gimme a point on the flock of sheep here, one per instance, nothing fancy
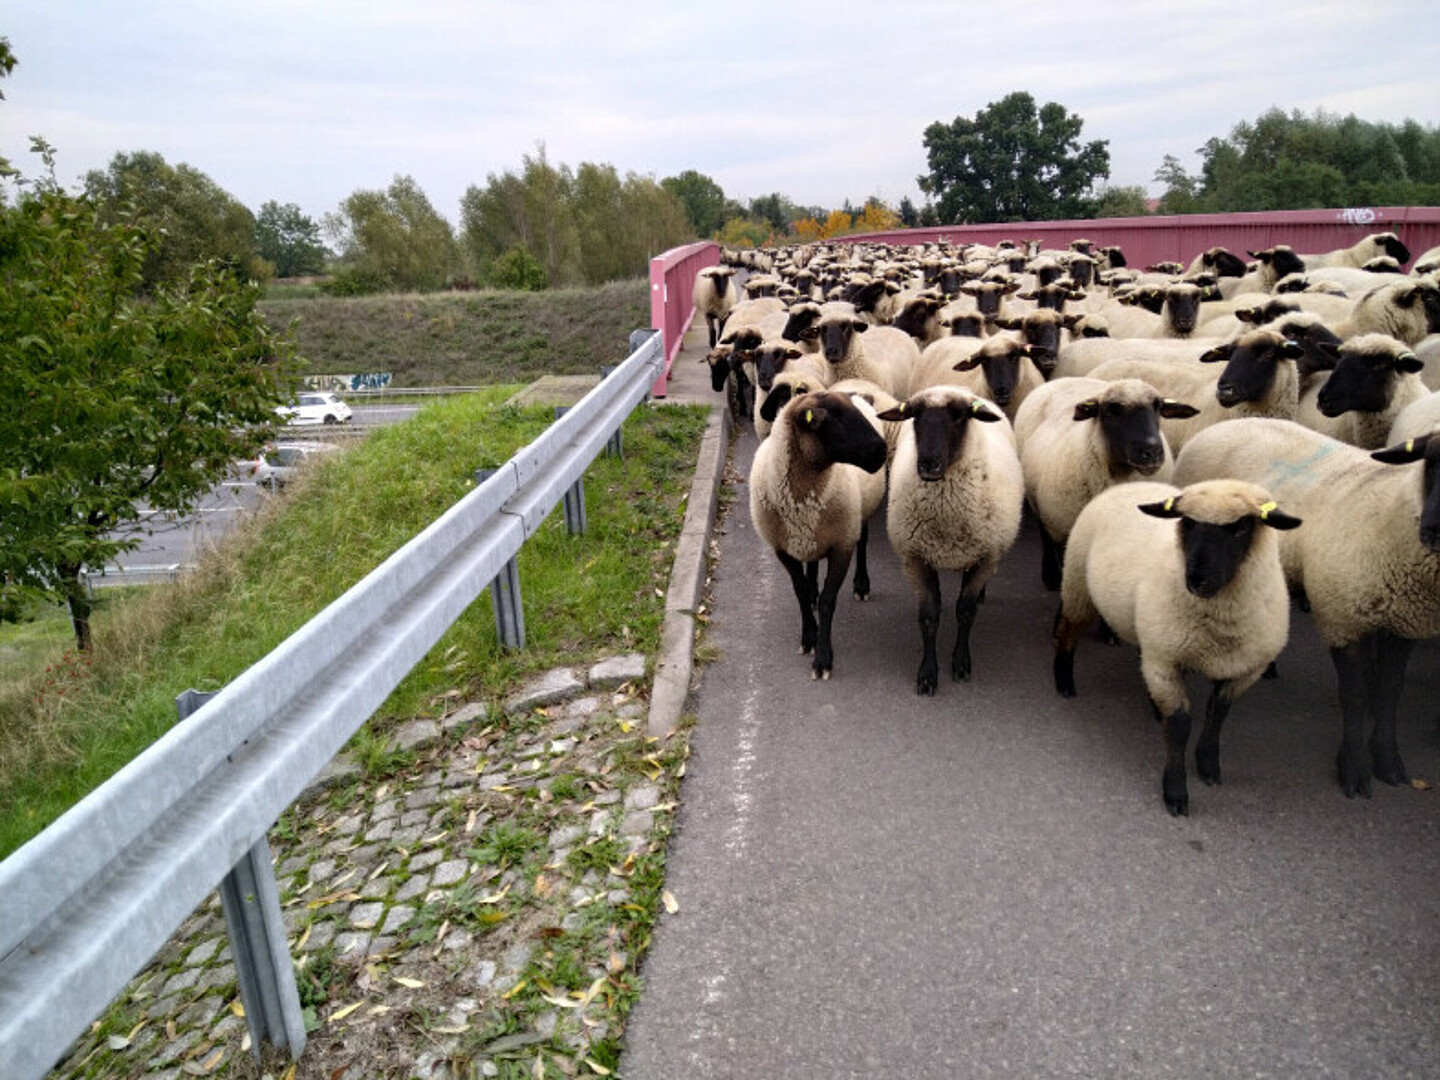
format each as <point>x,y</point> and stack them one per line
<point>1197,444</point>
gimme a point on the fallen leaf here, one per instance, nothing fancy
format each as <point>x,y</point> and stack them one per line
<point>1420,785</point>
<point>213,1060</point>
<point>117,1042</point>
<point>539,1070</point>
<point>237,1007</point>
<point>340,1014</point>
<point>598,1069</point>
<point>378,871</point>
<point>514,990</point>
<point>333,898</point>
<point>560,1002</point>
<point>470,822</point>
<point>170,1030</point>
<point>451,1030</point>
<point>378,1010</point>
<point>304,938</point>
<point>413,984</point>
<point>671,904</point>
<point>615,963</point>
<point>595,988</point>
<point>290,1072</point>
<point>543,886</point>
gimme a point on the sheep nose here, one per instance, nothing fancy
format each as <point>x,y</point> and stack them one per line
<point>930,471</point>
<point>1430,537</point>
<point>1147,457</point>
<point>1201,585</point>
<point>1227,394</point>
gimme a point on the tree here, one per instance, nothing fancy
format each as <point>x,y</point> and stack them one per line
<point>1181,188</point>
<point>1012,163</point>
<point>702,198</point>
<point>7,65</point>
<point>392,239</point>
<point>117,397</point>
<point>909,216</point>
<point>288,240</point>
<point>1124,201</point>
<point>191,218</point>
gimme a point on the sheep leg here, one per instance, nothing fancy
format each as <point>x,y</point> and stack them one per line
<point>862,569</point>
<point>836,567</point>
<point>1066,635</point>
<point>1207,749</point>
<point>1173,788</point>
<point>929,674</point>
<point>1354,667</point>
<point>812,578</point>
<point>1052,557</point>
<point>804,593</point>
<point>1393,654</point>
<point>972,591</point>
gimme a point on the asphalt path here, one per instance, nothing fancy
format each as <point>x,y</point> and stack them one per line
<point>986,883</point>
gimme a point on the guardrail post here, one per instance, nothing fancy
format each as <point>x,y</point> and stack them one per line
<point>574,499</point>
<point>615,445</point>
<point>505,594</point>
<point>263,968</point>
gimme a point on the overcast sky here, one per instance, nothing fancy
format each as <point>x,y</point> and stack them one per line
<point>306,101</point>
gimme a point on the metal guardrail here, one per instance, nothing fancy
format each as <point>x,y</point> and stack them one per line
<point>86,904</point>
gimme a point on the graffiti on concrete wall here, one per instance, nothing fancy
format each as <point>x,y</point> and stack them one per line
<point>375,380</point>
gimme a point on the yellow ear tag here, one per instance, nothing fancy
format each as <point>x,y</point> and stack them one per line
<point>1409,446</point>
<point>1169,504</point>
<point>809,417</point>
<point>1265,509</point>
<point>977,407</point>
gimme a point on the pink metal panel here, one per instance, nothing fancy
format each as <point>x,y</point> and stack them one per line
<point>1180,237</point>
<point>672,305</point>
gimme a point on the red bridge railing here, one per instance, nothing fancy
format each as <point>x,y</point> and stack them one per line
<point>672,306</point>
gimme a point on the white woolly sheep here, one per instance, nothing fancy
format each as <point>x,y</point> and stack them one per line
<point>1408,309</point>
<point>1427,263</point>
<point>956,493</point>
<point>1418,418</point>
<point>1374,379</point>
<point>1361,252</point>
<point>1001,369</point>
<point>1084,354</point>
<point>714,296</point>
<point>885,356</point>
<point>1205,594</point>
<point>1078,437</point>
<point>1428,350</point>
<point>806,501</point>
<point>1259,379</point>
<point>1367,562</point>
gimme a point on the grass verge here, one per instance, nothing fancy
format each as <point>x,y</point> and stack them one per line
<point>584,596</point>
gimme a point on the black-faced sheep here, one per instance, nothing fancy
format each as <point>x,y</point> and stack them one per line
<point>807,502</point>
<point>956,493</point>
<point>1193,579</point>
<point>1078,437</point>
<point>1259,379</point>
<point>1367,561</point>
<point>1374,379</point>
<point>1361,252</point>
<point>885,356</point>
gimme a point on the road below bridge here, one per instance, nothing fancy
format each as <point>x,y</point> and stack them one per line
<point>986,883</point>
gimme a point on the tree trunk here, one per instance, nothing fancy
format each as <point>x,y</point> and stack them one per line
<point>77,599</point>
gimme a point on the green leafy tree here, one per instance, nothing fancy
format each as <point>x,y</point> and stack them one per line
<point>776,209</point>
<point>116,397</point>
<point>702,198</point>
<point>1181,189</point>
<point>909,216</point>
<point>518,269</point>
<point>7,65</point>
<point>1012,162</point>
<point>1291,161</point>
<point>192,218</point>
<point>1125,201</point>
<point>288,240</point>
<point>394,239</point>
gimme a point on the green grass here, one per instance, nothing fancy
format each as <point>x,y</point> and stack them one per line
<point>585,597</point>
<point>463,339</point>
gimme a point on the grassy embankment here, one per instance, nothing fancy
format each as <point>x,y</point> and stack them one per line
<point>67,724</point>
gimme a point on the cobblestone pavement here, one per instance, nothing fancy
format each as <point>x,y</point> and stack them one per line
<point>473,901</point>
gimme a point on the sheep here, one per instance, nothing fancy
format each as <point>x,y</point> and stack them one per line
<point>1428,350</point>
<point>1259,379</point>
<point>885,356</point>
<point>806,501</point>
<point>1083,355</point>
<point>1418,418</point>
<point>919,316</point>
<point>1408,309</point>
<point>1367,562</point>
<point>1045,329</point>
<point>1196,584</point>
<point>714,296</point>
<point>1079,436</point>
<point>1179,314</point>
<point>1361,252</point>
<point>1219,261</point>
<point>1375,377</point>
<point>1001,369</point>
<point>775,355</point>
<point>1427,263</point>
<point>956,493</point>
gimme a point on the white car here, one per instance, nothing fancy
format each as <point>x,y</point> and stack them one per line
<point>279,463</point>
<point>315,407</point>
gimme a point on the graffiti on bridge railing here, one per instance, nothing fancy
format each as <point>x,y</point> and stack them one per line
<point>375,380</point>
<point>1362,215</point>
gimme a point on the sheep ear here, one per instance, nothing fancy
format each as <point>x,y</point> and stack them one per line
<point>1328,352</point>
<point>1290,350</point>
<point>859,326</point>
<point>1408,363</point>
<point>1010,287</point>
<point>1165,509</point>
<point>1404,453</point>
<point>793,353</point>
<point>1177,410</point>
<point>1087,410</point>
<point>1007,323</point>
<point>981,410</point>
<point>1272,515</point>
<point>903,411</point>
<point>774,402</point>
<point>1218,353</point>
<point>1406,297</point>
<point>970,363</point>
<point>969,288</point>
<point>1026,295</point>
<point>1070,321</point>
